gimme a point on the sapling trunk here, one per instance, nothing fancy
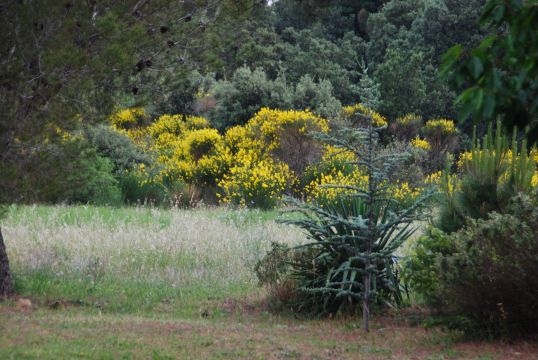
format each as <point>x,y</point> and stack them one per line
<point>365,306</point>
<point>371,228</point>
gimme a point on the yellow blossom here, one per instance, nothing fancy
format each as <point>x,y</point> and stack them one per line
<point>351,111</point>
<point>421,143</point>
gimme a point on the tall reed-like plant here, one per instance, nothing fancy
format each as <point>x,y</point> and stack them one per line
<point>352,257</point>
<point>491,173</point>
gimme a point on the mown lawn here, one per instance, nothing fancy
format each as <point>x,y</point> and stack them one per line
<point>163,284</point>
<point>43,333</point>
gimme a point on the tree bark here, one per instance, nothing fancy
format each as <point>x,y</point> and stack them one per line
<point>6,285</point>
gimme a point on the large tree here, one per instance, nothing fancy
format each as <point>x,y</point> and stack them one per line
<point>499,77</point>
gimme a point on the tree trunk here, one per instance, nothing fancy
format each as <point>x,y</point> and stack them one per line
<point>6,286</point>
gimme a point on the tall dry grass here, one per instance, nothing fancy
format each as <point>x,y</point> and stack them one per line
<point>99,253</point>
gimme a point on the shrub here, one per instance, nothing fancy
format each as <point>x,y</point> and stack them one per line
<point>339,167</point>
<point>274,272</point>
<point>186,150</point>
<point>92,182</point>
<point>442,137</point>
<point>421,144</point>
<point>268,154</point>
<point>420,269</point>
<point>128,118</point>
<point>357,115</point>
<point>176,125</point>
<point>335,167</point>
<point>79,174</point>
<point>479,271</point>
<point>286,134</point>
<point>117,147</point>
<point>490,277</point>
<point>256,183</point>
<point>405,128</point>
<point>136,189</point>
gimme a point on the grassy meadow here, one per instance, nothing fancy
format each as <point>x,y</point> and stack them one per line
<point>150,283</point>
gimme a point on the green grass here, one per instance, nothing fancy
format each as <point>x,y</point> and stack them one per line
<point>141,215</point>
<point>138,260</point>
<point>86,333</point>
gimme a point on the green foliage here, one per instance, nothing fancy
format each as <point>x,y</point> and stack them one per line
<point>78,174</point>
<point>248,91</point>
<point>117,147</point>
<point>91,181</point>
<point>406,41</point>
<point>489,276</point>
<point>369,92</point>
<point>420,269</point>
<point>137,190</point>
<point>500,76</point>
<point>408,84</point>
<point>307,52</point>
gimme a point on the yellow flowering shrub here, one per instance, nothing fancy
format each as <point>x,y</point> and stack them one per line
<point>167,124</point>
<point>270,125</point>
<point>440,126</point>
<point>186,148</point>
<point>127,118</point>
<point>275,145</point>
<point>199,157</point>
<point>203,157</point>
<point>349,113</point>
<point>256,183</point>
<point>405,127</point>
<point>203,142</point>
<point>338,168</point>
<point>442,135</point>
<point>404,192</point>
<point>196,122</point>
<point>409,119</point>
<point>421,144</point>
<point>323,189</point>
<point>333,161</point>
<point>176,125</point>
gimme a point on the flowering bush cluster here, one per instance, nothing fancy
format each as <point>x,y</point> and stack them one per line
<point>272,154</point>
<point>250,165</point>
<point>256,184</point>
